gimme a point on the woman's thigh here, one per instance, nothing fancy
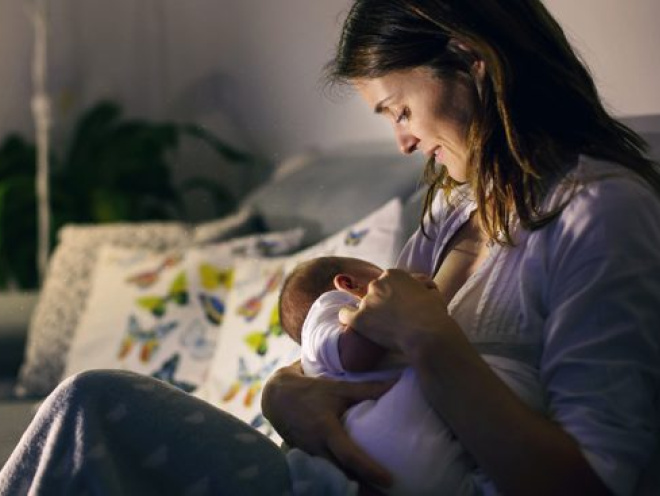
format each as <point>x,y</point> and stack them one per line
<point>114,432</point>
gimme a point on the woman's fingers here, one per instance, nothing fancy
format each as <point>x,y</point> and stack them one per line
<point>353,459</point>
<point>425,279</point>
<point>355,392</point>
<point>307,411</point>
<point>347,315</point>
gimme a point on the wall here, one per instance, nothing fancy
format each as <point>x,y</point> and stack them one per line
<point>250,69</point>
<point>620,41</point>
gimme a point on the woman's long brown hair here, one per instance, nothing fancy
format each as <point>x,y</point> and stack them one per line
<point>538,103</point>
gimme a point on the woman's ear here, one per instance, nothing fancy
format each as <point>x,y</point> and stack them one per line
<point>479,74</point>
<point>478,67</point>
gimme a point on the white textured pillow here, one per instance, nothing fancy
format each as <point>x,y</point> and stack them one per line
<point>239,223</point>
<point>160,313</point>
<point>66,287</point>
<point>65,291</point>
<point>252,345</point>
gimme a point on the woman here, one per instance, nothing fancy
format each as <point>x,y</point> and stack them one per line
<point>545,249</point>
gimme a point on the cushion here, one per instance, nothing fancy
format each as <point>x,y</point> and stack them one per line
<point>335,188</point>
<point>159,313</point>
<point>67,284</point>
<point>240,223</point>
<point>252,344</point>
<point>65,290</point>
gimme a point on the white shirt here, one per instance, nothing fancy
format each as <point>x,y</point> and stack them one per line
<point>401,430</point>
<point>580,300</point>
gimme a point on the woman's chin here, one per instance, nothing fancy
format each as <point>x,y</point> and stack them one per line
<point>456,173</point>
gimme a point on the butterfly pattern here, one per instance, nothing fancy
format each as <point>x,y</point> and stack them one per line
<point>251,307</point>
<point>354,238</point>
<point>148,278</point>
<point>267,248</point>
<point>178,293</point>
<point>263,248</point>
<point>199,340</point>
<point>148,339</point>
<point>250,380</point>
<point>258,340</point>
<point>260,423</point>
<point>166,373</point>
<point>213,307</point>
<point>212,277</point>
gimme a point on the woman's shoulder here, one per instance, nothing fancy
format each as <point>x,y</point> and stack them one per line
<point>604,200</point>
<point>593,185</point>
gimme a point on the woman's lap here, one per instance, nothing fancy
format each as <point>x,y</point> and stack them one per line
<point>114,432</point>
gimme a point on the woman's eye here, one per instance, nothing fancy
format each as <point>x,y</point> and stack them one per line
<point>403,116</point>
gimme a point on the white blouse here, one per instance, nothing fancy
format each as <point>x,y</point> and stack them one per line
<point>578,299</point>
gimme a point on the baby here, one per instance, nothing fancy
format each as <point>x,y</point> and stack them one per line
<point>400,430</point>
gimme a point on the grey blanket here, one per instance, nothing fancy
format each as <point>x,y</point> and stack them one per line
<point>112,433</point>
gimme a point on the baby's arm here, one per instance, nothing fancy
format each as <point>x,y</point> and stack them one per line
<point>328,346</point>
<point>357,353</point>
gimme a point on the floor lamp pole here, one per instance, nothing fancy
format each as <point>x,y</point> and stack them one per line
<point>42,119</point>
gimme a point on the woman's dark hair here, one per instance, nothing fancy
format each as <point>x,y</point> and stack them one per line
<point>538,103</point>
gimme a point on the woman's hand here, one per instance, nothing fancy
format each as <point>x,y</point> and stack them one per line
<point>398,307</point>
<point>307,413</point>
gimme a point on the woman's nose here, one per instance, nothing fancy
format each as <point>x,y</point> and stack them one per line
<point>407,142</point>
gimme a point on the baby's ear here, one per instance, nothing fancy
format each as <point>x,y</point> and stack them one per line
<point>344,282</point>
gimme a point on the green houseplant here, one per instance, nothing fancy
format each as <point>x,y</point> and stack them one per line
<point>114,169</point>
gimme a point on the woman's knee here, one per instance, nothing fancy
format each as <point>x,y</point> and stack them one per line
<point>89,384</point>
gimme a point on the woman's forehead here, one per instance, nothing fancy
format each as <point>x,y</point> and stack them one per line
<point>380,91</point>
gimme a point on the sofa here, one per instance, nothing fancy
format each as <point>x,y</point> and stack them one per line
<point>315,196</point>
<point>310,197</point>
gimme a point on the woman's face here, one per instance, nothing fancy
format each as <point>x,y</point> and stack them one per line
<point>428,114</point>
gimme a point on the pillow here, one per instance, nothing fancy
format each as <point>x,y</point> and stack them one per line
<point>65,290</point>
<point>240,223</point>
<point>335,188</point>
<point>252,344</point>
<point>159,313</point>
<point>66,286</point>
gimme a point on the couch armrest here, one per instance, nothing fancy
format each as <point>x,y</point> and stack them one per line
<point>15,313</point>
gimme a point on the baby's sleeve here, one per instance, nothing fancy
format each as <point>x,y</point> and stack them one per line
<point>321,332</point>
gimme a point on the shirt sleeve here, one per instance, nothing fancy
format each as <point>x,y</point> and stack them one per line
<point>320,334</point>
<point>600,364</point>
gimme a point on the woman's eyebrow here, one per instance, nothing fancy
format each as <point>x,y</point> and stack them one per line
<point>380,107</point>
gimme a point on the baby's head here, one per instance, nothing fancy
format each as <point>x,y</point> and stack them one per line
<point>309,280</point>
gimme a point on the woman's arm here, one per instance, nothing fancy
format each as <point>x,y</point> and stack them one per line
<point>592,289</point>
<point>306,412</point>
<point>523,452</point>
